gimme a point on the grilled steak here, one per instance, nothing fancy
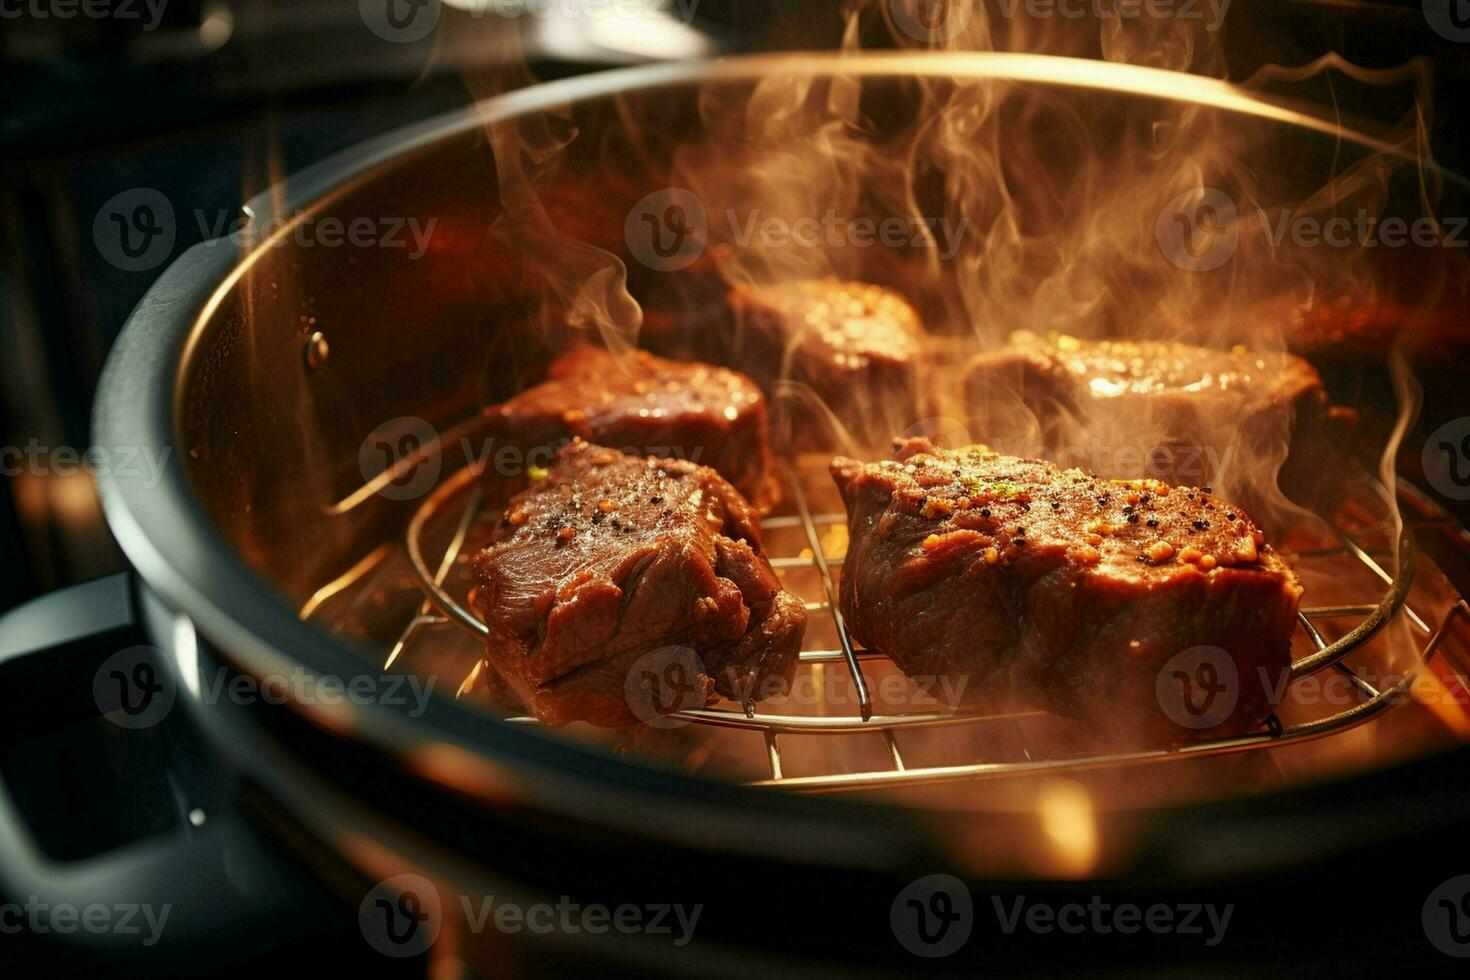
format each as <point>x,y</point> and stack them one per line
<point>1153,409</point>
<point>1041,587</point>
<point>612,558</point>
<point>644,405</point>
<point>856,346</point>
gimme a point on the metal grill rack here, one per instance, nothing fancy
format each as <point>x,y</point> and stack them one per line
<point>440,610</point>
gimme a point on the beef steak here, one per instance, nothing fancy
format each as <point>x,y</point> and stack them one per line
<point>612,558</point>
<point>644,405</point>
<point>856,346</point>
<point>1160,409</point>
<point>1041,587</point>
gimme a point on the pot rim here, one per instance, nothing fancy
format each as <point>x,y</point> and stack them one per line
<point>173,544</point>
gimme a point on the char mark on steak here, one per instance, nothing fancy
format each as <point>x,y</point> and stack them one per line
<point>612,558</point>
<point>1031,586</point>
<point>643,405</point>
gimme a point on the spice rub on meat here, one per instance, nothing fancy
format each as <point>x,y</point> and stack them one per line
<point>1034,586</point>
<point>611,557</point>
<point>644,405</point>
<point>1159,409</point>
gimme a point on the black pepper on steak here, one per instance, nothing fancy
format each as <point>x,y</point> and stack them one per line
<point>1078,615</point>
<point>584,576</point>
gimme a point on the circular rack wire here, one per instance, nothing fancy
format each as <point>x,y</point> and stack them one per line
<point>440,610</point>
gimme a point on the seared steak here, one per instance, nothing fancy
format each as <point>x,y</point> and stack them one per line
<point>647,406</point>
<point>1037,586</point>
<point>856,346</point>
<point>612,558</point>
<point>1152,409</point>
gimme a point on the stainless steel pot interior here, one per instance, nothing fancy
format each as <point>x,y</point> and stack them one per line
<point>267,500</point>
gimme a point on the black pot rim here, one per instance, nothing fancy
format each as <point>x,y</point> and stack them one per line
<point>171,541</point>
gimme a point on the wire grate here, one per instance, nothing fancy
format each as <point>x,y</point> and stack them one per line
<point>439,610</point>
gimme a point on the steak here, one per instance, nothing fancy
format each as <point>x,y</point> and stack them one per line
<point>614,559</point>
<point>645,406</point>
<point>857,347</point>
<point>1158,409</point>
<point>1032,586</point>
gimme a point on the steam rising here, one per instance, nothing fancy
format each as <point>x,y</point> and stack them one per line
<point>1043,208</point>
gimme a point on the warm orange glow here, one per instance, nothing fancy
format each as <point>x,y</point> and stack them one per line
<point>1068,821</point>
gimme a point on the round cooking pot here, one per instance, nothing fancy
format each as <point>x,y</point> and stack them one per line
<point>262,368</point>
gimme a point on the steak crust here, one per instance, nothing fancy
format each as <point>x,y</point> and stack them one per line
<point>1034,586</point>
<point>611,557</point>
<point>857,346</point>
<point>645,405</point>
<point>1160,409</point>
